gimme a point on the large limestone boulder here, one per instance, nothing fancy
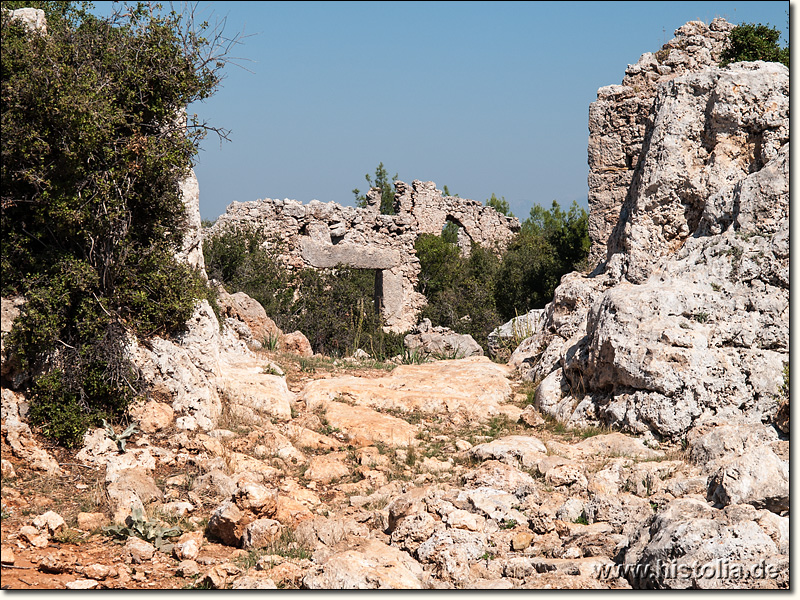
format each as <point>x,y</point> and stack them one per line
<point>689,544</point>
<point>687,319</point>
<point>441,342</point>
<point>473,388</point>
<point>366,564</point>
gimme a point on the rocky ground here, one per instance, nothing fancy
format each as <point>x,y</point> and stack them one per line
<point>439,475</point>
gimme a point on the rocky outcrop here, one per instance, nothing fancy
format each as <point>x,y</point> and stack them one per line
<point>440,342</point>
<point>324,235</point>
<point>469,389</point>
<point>620,117</point>
<point>687,319</point>
<point>690,545</point>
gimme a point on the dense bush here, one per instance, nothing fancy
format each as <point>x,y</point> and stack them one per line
<point>459,289</point>
<point>550,244</point>
<point>475,294</point>
<point>749,42</point>
<point>93,152</point>
<point>334,308</point>
<point>242,263</point>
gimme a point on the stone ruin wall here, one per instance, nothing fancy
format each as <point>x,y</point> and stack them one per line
<point>620,117</point>
<point>323,235</point>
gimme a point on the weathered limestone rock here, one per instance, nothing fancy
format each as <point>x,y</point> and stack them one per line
<point>50,522</point>
<point>138,550</point>
<point>320,235</point>
<point>131,490</point>
<point>260,533</point>
<point>505,338</point>
<point>33,18</point>
<point>522,450</point>
<point>623,511</point>
<point>687,319</point>
<point>187,546</point>
<point>226,524</point>
<point>152,416</point>
<point>296,343</point>
<point>192,251</point>
<point>452,552</point>
<point>244,309</point>
<point>366,564</point>
<point>472,388</point>
<point>707,548</point>
<point>10,368</point>
<point>20,438</point>
<point>441,342</point>
<point>91,521</point>
<point>366,426</point>
<point>325,469</point>
<point>758,477</point>
<point>323,531</point>
<point>618,120</point>
<point>500,476</point>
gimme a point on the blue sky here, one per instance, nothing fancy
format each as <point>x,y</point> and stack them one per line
<point>484,97</point>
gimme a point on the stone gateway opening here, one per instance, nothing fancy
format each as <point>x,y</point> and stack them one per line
<point>324,235</point>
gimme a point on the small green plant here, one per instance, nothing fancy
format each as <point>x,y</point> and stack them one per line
<point>67,535</point>
<point>308,365</point>
<point>136,525</point>
<point>785,386</point>
<point>120,438</point>
<point>592,431</point>
<point>486,556</point>
<point>700,317</point>
<point>510,524</point>
<point>582,520</point>
<point>448,353</point>
<point>734,251</point>
<point>270,341</point>
<point>6,513</point>
<point>286,545</point>
<point>411,456</point>
<point>715,286</point>
<point>271,370</point>
<point>413,357</point>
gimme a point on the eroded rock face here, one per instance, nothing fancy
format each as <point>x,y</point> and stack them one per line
<point>687,319</point>
<point>689,544</point>
<point>619,118</point>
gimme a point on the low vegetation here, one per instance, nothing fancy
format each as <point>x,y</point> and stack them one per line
<point>750,42</point>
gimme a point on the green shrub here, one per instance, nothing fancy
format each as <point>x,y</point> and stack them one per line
<point>239,259</point>
<point>334,308</point>
<point>92,158</point>
<point>750,42</point>
<point>459,289</point>
<point>550,244</point>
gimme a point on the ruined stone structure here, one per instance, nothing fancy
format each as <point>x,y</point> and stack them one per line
<point>323,235</point>
<point>619,119</point>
